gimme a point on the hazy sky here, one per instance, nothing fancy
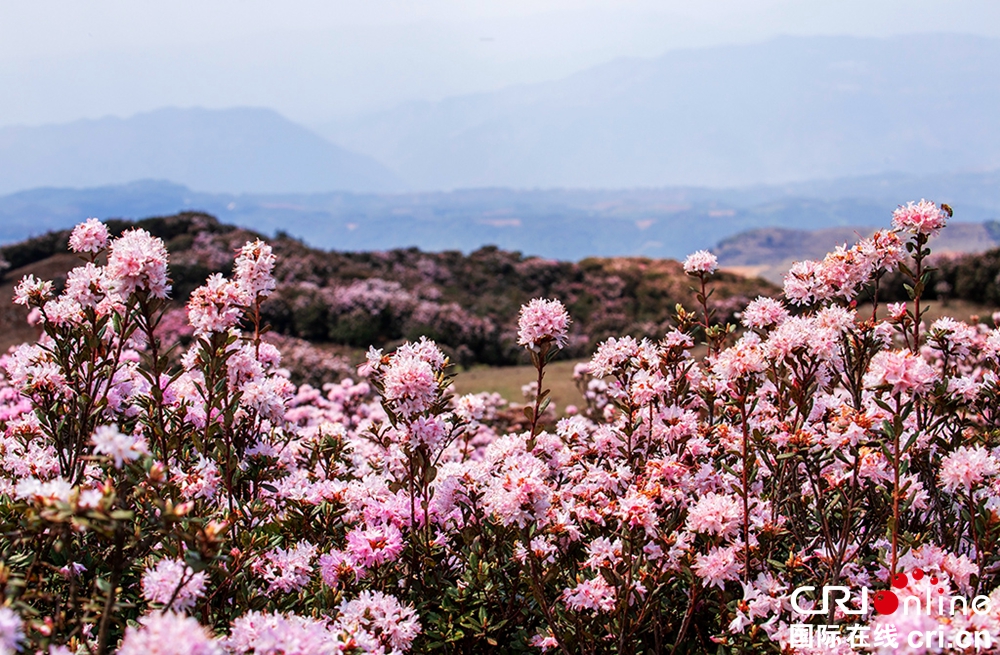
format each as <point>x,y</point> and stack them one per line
<point>314,60</point>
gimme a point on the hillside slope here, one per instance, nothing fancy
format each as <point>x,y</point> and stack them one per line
<point>469,303</point>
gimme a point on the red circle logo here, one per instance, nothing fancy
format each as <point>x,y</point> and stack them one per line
<point>885,602</point>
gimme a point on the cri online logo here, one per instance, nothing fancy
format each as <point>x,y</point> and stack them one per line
<point>887,602</point>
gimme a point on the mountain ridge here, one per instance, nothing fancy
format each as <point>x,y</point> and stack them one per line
<point>787,108</point>
<point>564,224</point>
<point>232,150</point>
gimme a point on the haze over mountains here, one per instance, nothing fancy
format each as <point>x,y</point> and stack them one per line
<point>796,133</point>
<point>793,108</point>
<point>788,109</point>
<point>229,150</point>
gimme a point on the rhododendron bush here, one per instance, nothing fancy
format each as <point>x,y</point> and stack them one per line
<point>155,499</point>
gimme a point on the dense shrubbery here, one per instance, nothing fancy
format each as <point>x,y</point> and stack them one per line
<point>213,507</point>
<point>467,303</point>
<point>972,277</point>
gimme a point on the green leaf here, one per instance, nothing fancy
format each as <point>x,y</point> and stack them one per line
<point>909,442</point>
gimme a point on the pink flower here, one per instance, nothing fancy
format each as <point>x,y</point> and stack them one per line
<point>427,430</point>
<point>391,623</point>
<point>31,290</point>
<point>215,306</point>
<point>542,322</point>
<point>638,510</point>
<point>715,514</point>
<point>287,570</point>
<point>62,311</point>
<point>959,568</point>
<point>11,631</point>
<point>243,365</point>
<point>718,566</point>
<point>991,348</point>
<point>883,250</point>
<point>804,284</point>
<point>612,355</point>
<point>843,271</point>
<point>903,371</point>
<point>410,383</point>
<point>87,285</point>
<point>253,269</point>
<point>763,312</point>
<point>338,567</point>
<point>55,490</point>
<point>202,480</point>
<point>675,339</point>
<point>967,467</point>
<point>160,585</point>
<point>470,407</point>
<point>424,350</point>
<point>603,552</point>
<point>518,491</point>
<point>544,642</point>
<point>923,217</point>
<point>374,545</point>
<point>542,549</point>
<point>897,311</point>
<point>594,594</point>
<point>951,336</point>
<point>168,633</point>
<point>744,358</point>
<point>267,396</point>
<point>89,236</point>
<point>701,262</point>
<point>138,262</point>
<point>373,362</point>
<point>277,634</point>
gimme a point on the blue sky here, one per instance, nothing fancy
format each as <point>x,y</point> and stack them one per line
<point>315,60</point>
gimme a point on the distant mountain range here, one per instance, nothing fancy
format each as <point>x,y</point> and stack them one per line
<point>560,224</point>
<point>787,110</point>
<point>231,150</point>
<point>793,108</point>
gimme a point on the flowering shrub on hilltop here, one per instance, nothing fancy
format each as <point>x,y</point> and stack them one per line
<point>468,304</point>
<point>213,507</point>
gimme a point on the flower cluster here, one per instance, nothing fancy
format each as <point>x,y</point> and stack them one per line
<point>845,271</point>
<point>920,218</point>
<point>137,261</point>
<point>542,322</point>
<point>701,262</point>
<point>90,236</point>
